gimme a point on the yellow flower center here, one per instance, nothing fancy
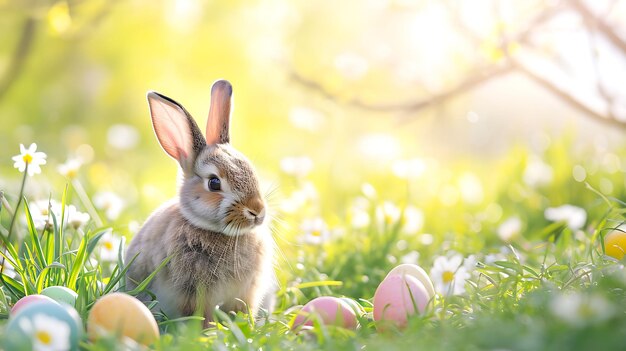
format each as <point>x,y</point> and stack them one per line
<point>448,276</point>
<point>43,337</point>
<point>71,173</point>
<point>28,158</point>
<point>317,233</point>
<point>108,245</point>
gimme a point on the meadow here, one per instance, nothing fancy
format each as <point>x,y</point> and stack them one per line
<point>529,273</point>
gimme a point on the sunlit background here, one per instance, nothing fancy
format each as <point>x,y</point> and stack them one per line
<point>467,114</point>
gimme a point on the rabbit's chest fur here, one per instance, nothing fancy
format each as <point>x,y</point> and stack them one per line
<point>217,267</point>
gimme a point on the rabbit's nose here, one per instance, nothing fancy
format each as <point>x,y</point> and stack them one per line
<point>258,217</point>
<point>255,210</point>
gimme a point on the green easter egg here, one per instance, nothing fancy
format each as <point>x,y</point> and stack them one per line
<point>61,294</point>
<point>44,325</point>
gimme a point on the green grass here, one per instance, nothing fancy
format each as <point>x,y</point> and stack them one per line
<point>550,288</point>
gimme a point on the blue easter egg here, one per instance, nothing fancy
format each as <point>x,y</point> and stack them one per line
<point>44,325</point>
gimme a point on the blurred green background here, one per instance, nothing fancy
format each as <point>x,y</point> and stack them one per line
<point>473,112</point>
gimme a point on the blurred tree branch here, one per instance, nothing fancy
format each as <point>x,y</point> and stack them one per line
<point>599,24</point>
<point>510,63</point>
<point>18,59</point>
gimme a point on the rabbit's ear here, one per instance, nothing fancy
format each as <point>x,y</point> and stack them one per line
<point>175,129</point>
<point>219,113</point>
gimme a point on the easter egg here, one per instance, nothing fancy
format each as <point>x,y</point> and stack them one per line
<point>398,297</point>
<point>124,315</point>
<point>358,309</point>
<point>329,310</point>
<point>43,325</point>
<point>61,294</point>
<point>418,273</point>
<point>615,244</point>
<point>26,300</point>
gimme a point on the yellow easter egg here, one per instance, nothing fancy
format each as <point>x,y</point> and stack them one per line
<point>615,244</point>
<point>124,315</point>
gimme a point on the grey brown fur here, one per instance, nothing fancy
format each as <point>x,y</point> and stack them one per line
<point>221,249</point>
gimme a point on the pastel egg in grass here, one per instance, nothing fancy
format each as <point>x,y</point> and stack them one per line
<point>398,297</point>
<point>418,273</point>
<point>615,244</point>
<point>123,315</point>
<point>43,325</point>
<point>328,310</point>
<point>61,294</point>
<point>27,300</point>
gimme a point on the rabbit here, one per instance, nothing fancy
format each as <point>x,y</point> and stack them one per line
<point>216,230</point>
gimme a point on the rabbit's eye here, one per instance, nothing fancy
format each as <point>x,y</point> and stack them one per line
<point>215,184</point>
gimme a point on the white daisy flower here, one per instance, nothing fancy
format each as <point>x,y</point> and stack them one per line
<point>296,166</point>
<point>41,212</point>
<point>510,229</point>
<point>75,218</point>
<point>47,333</point>
<point>109,247</point>
<point>30,157</point>
<point>449,275</point>
<point>574,216</point>
<point>314,231</point>
<point>70,168</point>
<point>110,202</point>
<point>578,310</point>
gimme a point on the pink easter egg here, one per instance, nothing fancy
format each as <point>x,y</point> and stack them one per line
<point>26,300</point>
<point>330,311</point>
<point>396,299</point>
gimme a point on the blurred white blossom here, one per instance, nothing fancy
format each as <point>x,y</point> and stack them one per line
<point>109,247</point>
<point>510,229</point>
<point>578,310</point>
<point>574,216</point>
<point>41,211</point>
<point>471,188</point>
<point>387,214</point>
<point>306,118</point>
<point>427,239</point>
<point>75,218</point>
<point>299,198</point>
<point>314,231</point>
<point>359,213</point>
<point>368,190</point>
<point>408,169</point>
<point>413,220</point>
<point>31,157</point>
<point>296,166</point>
<point>537,173</point>
<point>449,275</point>
<point>70,168</point>
<point>109,202</point>
<point>410,257</point>
<point>123,136</point>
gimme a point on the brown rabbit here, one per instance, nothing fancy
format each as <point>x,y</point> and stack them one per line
<point>215,230</point>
